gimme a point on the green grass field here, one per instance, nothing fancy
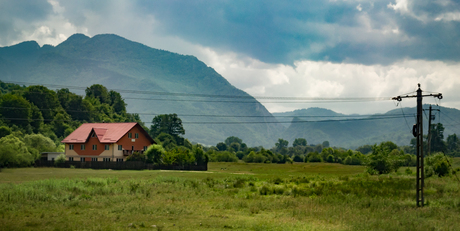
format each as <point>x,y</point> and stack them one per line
<point>230,196</point>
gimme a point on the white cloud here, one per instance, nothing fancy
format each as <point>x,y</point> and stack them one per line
<point>326,79</point>
<point>451,16</point>
<point>400,5</point>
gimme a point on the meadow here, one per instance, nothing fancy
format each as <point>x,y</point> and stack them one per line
<point>229,196</point>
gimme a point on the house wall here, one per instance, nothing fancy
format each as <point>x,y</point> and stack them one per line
<point>138,143</point>
<point>113,152</point>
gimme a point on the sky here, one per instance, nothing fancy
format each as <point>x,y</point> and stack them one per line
<point>326,49</point>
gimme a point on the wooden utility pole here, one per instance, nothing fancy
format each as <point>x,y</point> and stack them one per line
<point>417,131</point>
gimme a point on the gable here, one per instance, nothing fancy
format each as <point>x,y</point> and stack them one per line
<point>105,132</point>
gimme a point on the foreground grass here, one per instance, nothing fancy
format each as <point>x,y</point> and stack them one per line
<point>228,196</point>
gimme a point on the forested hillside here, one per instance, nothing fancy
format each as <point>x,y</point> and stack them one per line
<point>351,131</point>
<point>145,77</point>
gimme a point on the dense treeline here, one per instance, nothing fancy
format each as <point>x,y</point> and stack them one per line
<point>35,119</point>
<point>48,116</point>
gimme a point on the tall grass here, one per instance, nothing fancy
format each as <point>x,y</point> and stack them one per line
<point>295,201</point>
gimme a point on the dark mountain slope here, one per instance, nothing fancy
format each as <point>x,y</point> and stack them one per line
<point>121,64</point>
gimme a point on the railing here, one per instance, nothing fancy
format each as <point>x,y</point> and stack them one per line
<point>130,152</point>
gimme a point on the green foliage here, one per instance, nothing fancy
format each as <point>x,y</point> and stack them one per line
<point>98,92</point>
<point>313,157</point>
<point>60,159</point>
<point>281,144</point>
<point>253,157</point>
<point>365,149</point>
<point>200,156</point>
<point>438,164</point>
<point>154,154</point>
<point>233,139</point>
<point>40,143</point>
<point>221,146</point>
<point>46,100</point>
<point>223,156</point>
<point>15,110</point>
<point>437,138</point>
<point>13,152</point>
<point>298,158</point>
<point>4,131</point>
<point>299,142</point>
<point>136,156</point>
<point>386,158</point>
<point>167,123</point>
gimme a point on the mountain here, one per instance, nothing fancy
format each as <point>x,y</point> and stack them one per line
<point>148,80</point>
<point>351,131</point>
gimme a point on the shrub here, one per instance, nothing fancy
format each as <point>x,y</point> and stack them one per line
<point>313,157</point>
<point>60,159</point>
<point>298,158</point>
<point>154,153</point>
<point>438,163</point>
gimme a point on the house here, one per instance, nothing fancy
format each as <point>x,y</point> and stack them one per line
<point>106,142</point>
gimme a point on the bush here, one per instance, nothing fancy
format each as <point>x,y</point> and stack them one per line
<point>60,159</point>
<point>154,153</point>
<point>313,157</point>
<point>298,158</point>
<point>438,163</point>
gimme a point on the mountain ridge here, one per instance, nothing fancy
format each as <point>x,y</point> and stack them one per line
<point>118,63</point>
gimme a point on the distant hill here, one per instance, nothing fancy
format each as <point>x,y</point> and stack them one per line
<point>352,131</point>
<point>131,67</point>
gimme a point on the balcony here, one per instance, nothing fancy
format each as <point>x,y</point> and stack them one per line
<point>130,152</point>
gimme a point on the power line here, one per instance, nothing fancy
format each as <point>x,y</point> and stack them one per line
<point>225,116</point>
<point>353,99</point>
<point>228,122</point>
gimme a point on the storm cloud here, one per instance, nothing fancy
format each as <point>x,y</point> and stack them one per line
<point>275,48</point>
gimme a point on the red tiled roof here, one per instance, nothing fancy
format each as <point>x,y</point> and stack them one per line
<point>105,132</point>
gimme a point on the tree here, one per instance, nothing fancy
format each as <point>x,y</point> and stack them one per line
<point>99,92</point>
<point>117,102</point>
<point>45,99</point>
<point>14,152</point>
<point>154,153</point>
<point>40,142</point>
<point>452,143</point>
<point>437,138</point>
<point>299,142</point>
<point>167,123</point>
<point>221,146</point>
<point>15,110</point>
<point>233,139</point>
<point>326,144</point>
<point>281,144</point>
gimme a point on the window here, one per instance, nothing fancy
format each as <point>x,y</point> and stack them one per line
<point>145,148</point>
<point>106,159</point>
<point>82,147</point>
<point>119,160</point>
<point>70,146</point>
<point>70,158</point>
<point>94,146</point>
<point>93,134</point>
<point>136,135</point>
<point>107,147</point>
<point>120,147</point>
<point>82,159</point>
<point>94,159</point>
<point>52,159</point>
<point>130,135</point>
